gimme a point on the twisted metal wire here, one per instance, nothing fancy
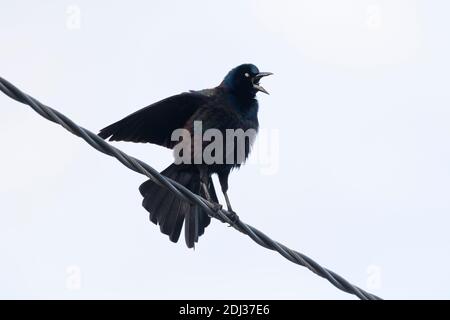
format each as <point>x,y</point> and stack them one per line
<point>214,210</point>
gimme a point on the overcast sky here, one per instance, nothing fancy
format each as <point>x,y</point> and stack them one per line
<point>353,168</point>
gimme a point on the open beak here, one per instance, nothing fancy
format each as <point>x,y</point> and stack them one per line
<point>256,81</point>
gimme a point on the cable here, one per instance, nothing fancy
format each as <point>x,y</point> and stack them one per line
<point>180,191</point>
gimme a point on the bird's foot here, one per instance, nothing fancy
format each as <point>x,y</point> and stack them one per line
<point>234,218</point>
<point>215,206</point>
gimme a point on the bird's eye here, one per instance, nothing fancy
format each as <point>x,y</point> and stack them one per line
<point>246,75</point>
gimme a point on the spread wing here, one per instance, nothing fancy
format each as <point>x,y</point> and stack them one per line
<point>156,122</point>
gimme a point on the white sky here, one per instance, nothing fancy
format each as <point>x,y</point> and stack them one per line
<point>359,101</point>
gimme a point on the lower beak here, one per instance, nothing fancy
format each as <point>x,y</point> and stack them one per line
<point>256,81</point>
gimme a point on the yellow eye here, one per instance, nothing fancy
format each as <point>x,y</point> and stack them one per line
<point>246,75</point>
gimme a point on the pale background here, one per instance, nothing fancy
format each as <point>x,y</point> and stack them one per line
<point>359,101</point>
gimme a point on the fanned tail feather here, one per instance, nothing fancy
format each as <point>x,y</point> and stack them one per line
<point>170,212</point>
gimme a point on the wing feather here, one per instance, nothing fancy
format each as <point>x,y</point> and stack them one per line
<point>156,122</point>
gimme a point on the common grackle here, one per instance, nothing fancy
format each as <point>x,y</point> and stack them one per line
<point>231,105</point>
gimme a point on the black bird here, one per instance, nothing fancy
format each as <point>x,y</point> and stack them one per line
<point>231,105</point>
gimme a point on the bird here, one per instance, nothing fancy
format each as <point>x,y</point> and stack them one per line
<point>232,105</point>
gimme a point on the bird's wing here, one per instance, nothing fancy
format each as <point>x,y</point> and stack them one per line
<point>156,122</point>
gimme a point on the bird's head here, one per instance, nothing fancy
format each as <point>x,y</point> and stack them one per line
<point>244,80</point>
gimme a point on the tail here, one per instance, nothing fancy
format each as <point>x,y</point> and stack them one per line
<point>170,212</point>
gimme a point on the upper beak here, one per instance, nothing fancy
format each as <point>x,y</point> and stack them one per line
<point>256,81</point>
